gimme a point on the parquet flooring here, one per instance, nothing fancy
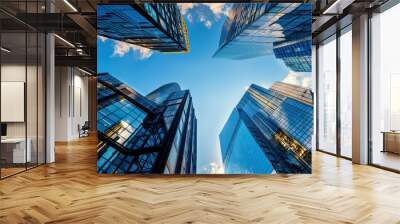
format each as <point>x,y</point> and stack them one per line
<point>70,191</point>
<point>10,171</point>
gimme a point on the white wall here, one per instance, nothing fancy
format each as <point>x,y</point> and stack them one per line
<point>71,102</point>
<point>80,110</point>
<point>33,126</point>
<point>13,101</point>
<point>61,103</point>
<point>16,73</point>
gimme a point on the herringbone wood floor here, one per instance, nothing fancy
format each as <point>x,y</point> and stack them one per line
<point>70,191</point>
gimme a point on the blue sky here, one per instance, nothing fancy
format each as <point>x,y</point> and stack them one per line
<point>215,84</point>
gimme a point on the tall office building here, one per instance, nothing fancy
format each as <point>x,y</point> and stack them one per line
<point>269,131</point>
<point>258,29</point>
<point>145,134</point>
<point>157,26</point>
<point>295,54</point>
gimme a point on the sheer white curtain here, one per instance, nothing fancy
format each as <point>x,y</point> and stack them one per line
<point>327,96</point>
<point>346,93</point>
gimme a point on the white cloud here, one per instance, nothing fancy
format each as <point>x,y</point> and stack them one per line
<point>299,79</point>
<point>190,18</point>
<point>213,168</point>
<point>203,19</point>
<point>122,48</point>
<point>184,7</point>
<point>216,10</point>
<point>103,39</point>
<point>208,24</point>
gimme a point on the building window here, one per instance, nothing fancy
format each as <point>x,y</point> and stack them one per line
<point>385,89</point>
<point>327,95</point>
<point>346,92</point>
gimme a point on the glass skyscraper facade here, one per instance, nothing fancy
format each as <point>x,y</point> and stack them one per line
<point>145,134</point>
<point>269,131</point>
<point>258,29</point>
<point>295,54</point>
<point>157,26</point>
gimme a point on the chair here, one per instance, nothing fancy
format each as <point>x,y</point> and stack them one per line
<point>84,130</point>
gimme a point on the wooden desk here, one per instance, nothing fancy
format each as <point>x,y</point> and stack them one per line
<point>391,141</point>
<point>13,150</point>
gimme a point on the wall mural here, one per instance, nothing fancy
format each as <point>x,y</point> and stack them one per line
<point>204,88</point>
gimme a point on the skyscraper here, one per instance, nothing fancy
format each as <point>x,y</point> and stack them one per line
<point>157,26</point>
<point>145,134</point>
<point>295,54</point>
<point>269,131</point>
<point>258,29</point>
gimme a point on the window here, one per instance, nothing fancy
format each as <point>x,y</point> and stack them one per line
<point>346,93</point>
<point>385,89</point>
<point>327,95</point>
